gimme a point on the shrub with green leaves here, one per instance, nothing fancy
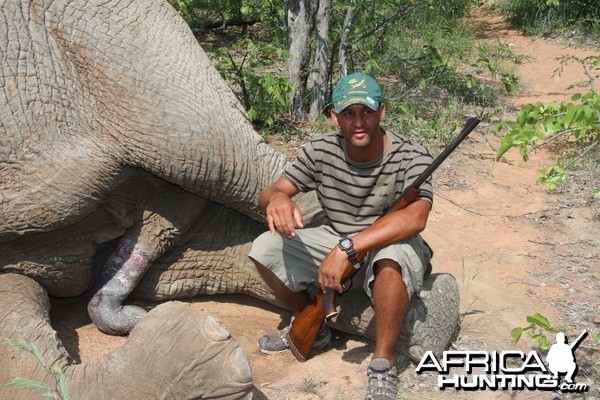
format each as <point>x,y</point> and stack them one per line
<point>537,328</point>
<point>541,124</point>
<point>423,44</point>
<point>555,17</point>
<point>252,67</point>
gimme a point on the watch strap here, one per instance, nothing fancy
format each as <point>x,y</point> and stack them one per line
<point>349,250</point>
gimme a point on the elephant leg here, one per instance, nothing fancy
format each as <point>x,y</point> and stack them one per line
<point>167,219</point>
<point>24,310</point>
<point>177,351</point>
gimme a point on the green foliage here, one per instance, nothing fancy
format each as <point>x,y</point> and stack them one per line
<point>275,90</point>
<point>496,60</point>
<point>432,123</point>
<point>200,13</point>
<point>272,16</point>
<point>591,67</point>
<point>553,176</point>
<point>265,91</point>
<point>537,328</point>
<point>422,43</point>
<point>540,124</point>
<point>438,55</point>
<point>59,391</point>
<point>555,17</point>
<point>186,9</point>
<point>490,71</point>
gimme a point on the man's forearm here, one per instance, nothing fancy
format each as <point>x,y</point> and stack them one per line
<point>280,186</point>
<point>393,227</point>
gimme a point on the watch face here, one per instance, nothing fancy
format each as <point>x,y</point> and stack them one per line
<point>345,243</point>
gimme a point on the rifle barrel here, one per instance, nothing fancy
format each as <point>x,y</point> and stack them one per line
<point>471,123</point>
<point>578,340</point>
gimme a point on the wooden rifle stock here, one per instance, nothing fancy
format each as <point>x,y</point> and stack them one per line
<point>329,297</point>
<point>305,327</point>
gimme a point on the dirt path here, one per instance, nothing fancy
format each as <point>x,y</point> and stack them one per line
<point>514,249</point>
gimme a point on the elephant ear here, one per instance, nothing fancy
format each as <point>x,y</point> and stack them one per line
<point>176,351</point>
<point>49,156</point>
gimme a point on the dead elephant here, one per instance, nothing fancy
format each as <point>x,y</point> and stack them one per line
<point>121,146</point>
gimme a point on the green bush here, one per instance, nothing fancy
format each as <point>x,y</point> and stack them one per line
<point>555,17</point>
<point>539,124</point>
<point>254,69</point>
<point>428,51</point>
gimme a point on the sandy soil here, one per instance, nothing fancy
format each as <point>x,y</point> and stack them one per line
<point>514,249</point>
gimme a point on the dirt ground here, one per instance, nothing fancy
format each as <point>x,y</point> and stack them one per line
<point>514,248</point>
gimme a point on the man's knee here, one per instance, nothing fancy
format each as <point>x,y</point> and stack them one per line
<point>387,263</point>
<point>265,240</point>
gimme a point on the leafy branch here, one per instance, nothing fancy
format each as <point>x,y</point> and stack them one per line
<point>539,124</point>
<point>264,93</point>
<point>401,11</point>
<point>537,328</point>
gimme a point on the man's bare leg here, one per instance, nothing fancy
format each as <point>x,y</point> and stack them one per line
<point>296,301</point>
<point>391,304</point>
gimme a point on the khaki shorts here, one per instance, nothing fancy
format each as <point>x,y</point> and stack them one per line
<point>295,261</point>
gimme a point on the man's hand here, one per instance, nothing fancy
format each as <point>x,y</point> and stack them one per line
<point>282,213</point>
<point>391,228</point>
<point>332,269</point>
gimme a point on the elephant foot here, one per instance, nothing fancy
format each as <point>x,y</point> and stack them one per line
<point>432,320</point>
<point>177,351</point>
<point>431,323</point>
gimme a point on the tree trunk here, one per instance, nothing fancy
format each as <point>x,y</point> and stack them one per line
<point>321,61</point>
<point>344,44</point>
<point>300,26</point>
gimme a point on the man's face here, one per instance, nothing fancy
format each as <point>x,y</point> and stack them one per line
<point>359,124</point>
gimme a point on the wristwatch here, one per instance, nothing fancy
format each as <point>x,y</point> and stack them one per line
<point>347,245</point>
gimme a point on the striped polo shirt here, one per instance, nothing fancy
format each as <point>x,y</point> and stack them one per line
<point>353,195</point>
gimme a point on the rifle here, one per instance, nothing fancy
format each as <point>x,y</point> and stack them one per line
<point>578,340</point>
<point>307,323</point>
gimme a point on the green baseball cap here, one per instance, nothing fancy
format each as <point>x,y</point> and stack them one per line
<point>356,89</point>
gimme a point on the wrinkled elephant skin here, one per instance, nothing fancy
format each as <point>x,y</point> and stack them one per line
<point>114,125</point>
<point>119,141</point>
<point>192,355</point>
<point>128,168</point>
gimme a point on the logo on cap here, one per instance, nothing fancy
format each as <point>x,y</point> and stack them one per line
<point>356,89</point>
